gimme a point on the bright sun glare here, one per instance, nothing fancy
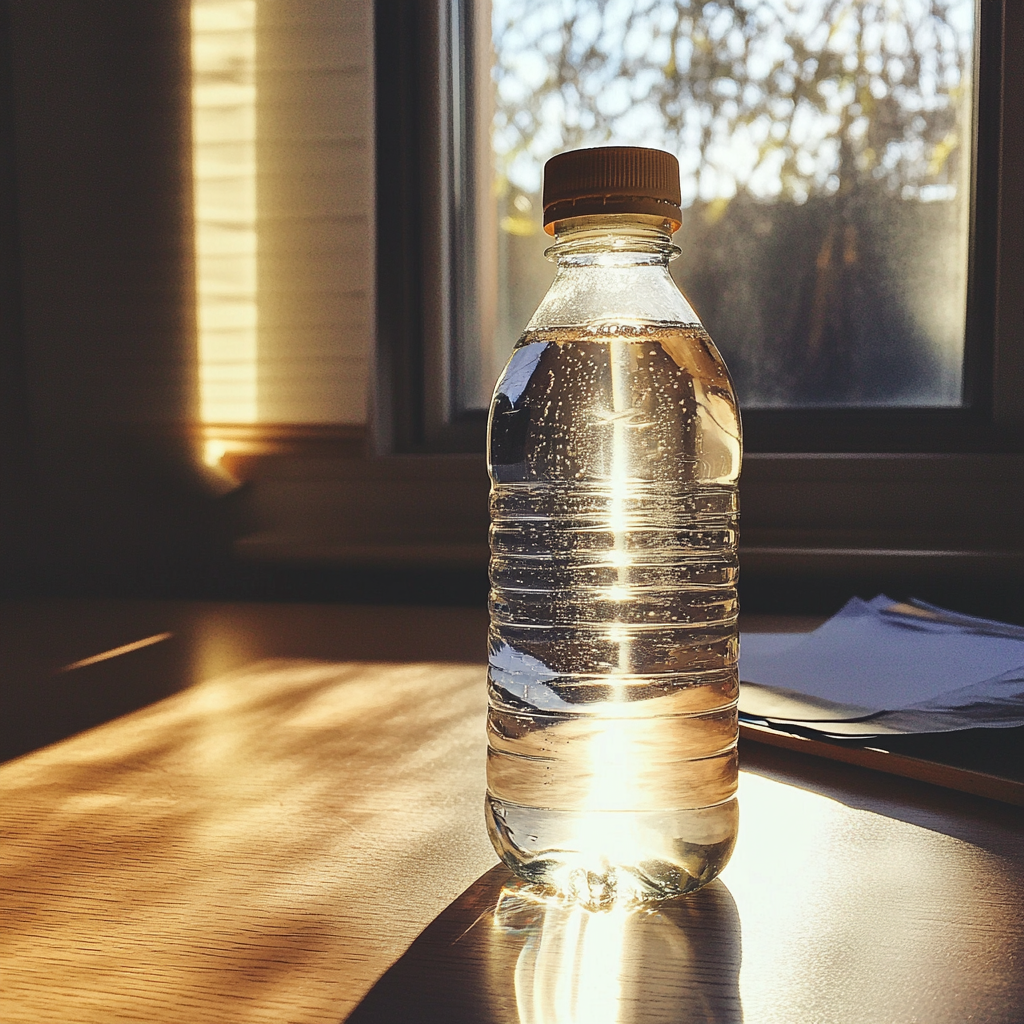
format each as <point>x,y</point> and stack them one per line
<point>570,968</point>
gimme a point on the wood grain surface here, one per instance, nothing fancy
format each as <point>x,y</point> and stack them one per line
<point>301,840</point>
<point>258,848</point>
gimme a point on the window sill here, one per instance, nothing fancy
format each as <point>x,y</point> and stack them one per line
<point>943,516</point>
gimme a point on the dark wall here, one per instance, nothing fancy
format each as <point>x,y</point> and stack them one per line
<point>15,514</point>
<point>100,481</point>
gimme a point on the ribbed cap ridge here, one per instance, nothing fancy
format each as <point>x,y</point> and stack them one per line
<point>611,179</point>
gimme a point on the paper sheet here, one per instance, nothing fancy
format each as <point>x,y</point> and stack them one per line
<point>868,659</point>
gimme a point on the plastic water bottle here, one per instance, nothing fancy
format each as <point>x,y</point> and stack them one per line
<point>614,455</point>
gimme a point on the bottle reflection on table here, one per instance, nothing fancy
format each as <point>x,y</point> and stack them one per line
<point>506,953</point>
<point>672,961</point>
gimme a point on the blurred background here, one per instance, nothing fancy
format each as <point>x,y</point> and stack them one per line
<point>825,150</point>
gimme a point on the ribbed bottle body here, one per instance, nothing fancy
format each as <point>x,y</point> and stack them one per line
<point>614,459</point>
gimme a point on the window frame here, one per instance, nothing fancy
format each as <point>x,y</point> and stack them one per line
<point>425,117</point>
<point>896,455</point>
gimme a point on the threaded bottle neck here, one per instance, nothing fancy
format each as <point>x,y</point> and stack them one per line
<point>613,240</point>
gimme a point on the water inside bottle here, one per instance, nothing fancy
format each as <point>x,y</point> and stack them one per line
<point>614,457</point>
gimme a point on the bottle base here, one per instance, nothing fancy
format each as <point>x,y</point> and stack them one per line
<point>598,858</point>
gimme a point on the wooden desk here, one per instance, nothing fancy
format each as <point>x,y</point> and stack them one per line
<point>299,839</point>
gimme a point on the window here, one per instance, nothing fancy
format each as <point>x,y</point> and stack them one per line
<point>917,475</point>
<point>840,169</point>
<point>826,171</point>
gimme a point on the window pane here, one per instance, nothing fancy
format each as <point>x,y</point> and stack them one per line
<point>825,154</point>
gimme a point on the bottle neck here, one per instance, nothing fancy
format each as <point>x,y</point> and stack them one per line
<point>612,269</point>
<point>613,240</point>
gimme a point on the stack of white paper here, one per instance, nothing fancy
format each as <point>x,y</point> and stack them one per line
<point>880,667</point>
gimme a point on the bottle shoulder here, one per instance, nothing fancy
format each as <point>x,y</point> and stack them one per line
<point>605,291</point>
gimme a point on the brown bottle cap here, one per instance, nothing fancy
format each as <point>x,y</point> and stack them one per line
<point>611,179</point>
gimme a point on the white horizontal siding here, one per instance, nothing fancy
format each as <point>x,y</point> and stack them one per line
<point>283,132</point>
<point>315,209</point>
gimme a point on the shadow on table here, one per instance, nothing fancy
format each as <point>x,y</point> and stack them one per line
<point>499,954</point>
<point>48,692</point>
